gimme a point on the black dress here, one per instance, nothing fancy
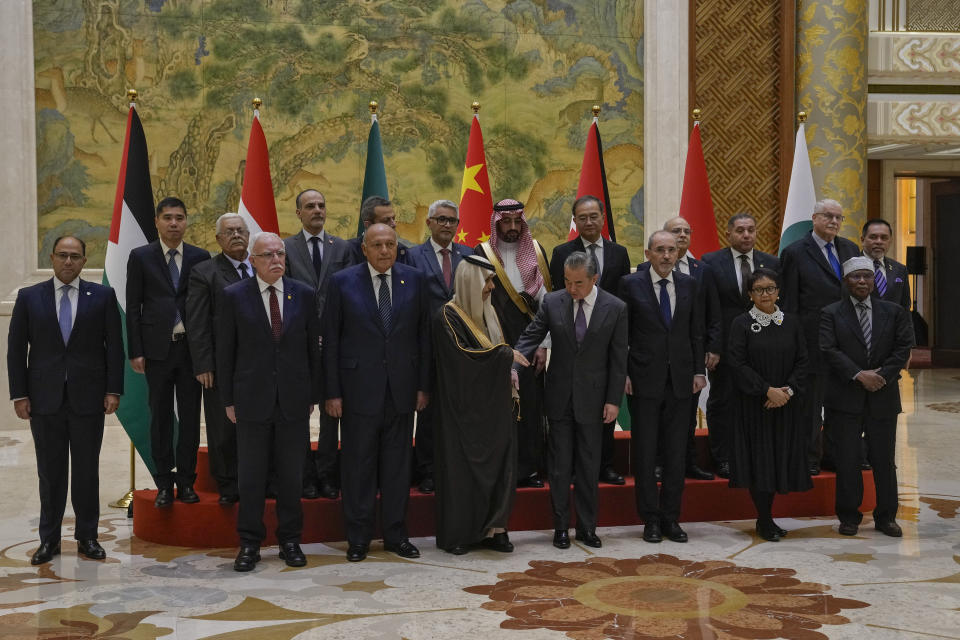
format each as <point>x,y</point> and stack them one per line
<point>475,438</point>
<point>769,445</point>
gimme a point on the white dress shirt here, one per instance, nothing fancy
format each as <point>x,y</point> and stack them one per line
<point>278,285</point>
<point>736,265</point>
<point>307,235</point>
<point>376,282</point>
<point>589,302</point>
<point>599,250</point>
<point>73,296</point>
<point>823,246</point>
<point>683,264</point>
<point>671,289</point>
<point>439,256</point>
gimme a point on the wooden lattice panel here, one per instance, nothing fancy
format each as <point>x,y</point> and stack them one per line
<point>933,15</point>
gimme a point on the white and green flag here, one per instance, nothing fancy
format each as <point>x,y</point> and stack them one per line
<point>801,197</point>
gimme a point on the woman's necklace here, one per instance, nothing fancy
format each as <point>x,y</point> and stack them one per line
<point>764,319</point>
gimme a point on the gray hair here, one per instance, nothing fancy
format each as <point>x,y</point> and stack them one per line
<point>821,206</point>
<point>396,236</point>
<point>432,211</point>
<point>263,235</point>
<point>229,216</point>
<point>580,260</point>
<point>657,233</point>
<point>369,207</point>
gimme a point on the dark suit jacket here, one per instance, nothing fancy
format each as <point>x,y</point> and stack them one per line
<point>91,362</point>
<point>708,303</point>
<point>360,359</point>
<point>898,284</point>
<point>728,291</point>
<point>337,255</point>
<point>588,375</point>
<point>258,374</point>
<point>844,351</point>
<point>616,263</point>
<point>810,284</point>
<point>656,351</point>
<point>204,305</point>
<point>423,258</point>
<point>152,302</point>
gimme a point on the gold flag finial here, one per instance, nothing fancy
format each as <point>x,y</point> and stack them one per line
<point>596,110</point>
<point>257,103</point>
<point>132,95</point>
<point>802,117</point>
<point>696,114</point>
<point>475,106</point>
<point>373,106</point>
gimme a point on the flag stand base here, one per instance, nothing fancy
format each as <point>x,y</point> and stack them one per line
<point>124,501</point>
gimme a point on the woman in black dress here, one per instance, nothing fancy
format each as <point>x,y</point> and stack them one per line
<point>769,358</point>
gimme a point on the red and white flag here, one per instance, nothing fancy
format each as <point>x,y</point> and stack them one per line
<point>257,206</point>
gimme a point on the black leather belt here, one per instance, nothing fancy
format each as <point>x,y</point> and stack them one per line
<point>177,337</point>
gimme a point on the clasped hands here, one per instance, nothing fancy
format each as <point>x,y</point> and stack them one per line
<point>871,380</point>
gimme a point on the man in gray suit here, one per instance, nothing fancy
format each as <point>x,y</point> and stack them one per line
<point>313,255</point>
<point>584,385</point>
<point>204,302</point>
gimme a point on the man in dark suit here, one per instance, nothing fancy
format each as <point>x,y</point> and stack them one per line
<point>377,210</point>
<point>65,367</point>
<point>204,303</point>
<point>709,305</point>
<point>865,342</point>
<point>376,354</point>
<point>731,269</point>
<point>269,362</point>
<point>313,256</point>
<point>612,262</point>
<point>584,385</point>
<point>157,277</point>
<point>665,368</point>
<point>890,277</point>
<point>811,280</point>
<point>437,259</point>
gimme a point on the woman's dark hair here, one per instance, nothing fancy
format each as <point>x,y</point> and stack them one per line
<point>762,272</point>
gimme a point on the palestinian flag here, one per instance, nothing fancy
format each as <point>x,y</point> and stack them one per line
<point>374,174</point>
<point>257,206</point>
<point>593,182</point>
<point>801,196</point>
<point>132,226</point>
<point>476,202</point>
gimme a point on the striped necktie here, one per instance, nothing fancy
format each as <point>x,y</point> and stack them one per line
<point>384,302</point>
<point>865,324</point>
<point>879,278</point>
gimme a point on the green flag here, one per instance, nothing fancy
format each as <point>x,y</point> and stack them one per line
<point>375,175</point>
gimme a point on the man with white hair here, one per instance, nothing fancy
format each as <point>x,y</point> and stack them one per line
<point>204,302</point>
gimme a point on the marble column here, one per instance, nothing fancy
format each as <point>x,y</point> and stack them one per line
<point>832,89</point>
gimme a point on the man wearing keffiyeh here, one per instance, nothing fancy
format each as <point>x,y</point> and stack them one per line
<point>522,280</point>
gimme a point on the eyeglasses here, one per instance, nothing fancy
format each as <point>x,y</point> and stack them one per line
<point>445,221</point>
<point>831,216</point>
<point>765,290</point>
<point>583,219</point>
<point>229,233</point>
<point>270,255</point>
<point>75,257</point>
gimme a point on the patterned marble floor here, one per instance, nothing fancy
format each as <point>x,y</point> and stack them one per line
<point>725,583</point>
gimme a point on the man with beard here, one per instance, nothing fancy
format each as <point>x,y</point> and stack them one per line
<point>523,278</point>
<point>889,276</point>
<point>377,210</point>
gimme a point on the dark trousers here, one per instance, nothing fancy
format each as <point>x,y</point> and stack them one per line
<point>377,453</point>
<point>166,379</point>
<point>565,439</point>
<point>607,445</point>
<point>221,443</point>
<point>664,428</point>
<point>67,441</point>
<point>720,413</point>
<point>814,418</point>
<point>881,433</point>
<point>424,437</point>
<point>258,443</point>
<point>321,465</point>
<point>530,431</point>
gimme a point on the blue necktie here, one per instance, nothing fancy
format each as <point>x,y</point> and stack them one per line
<point>175,276</point>
<point>243,270</point>
<point>384,302</point>
<point>665,302</point>
<point>879,278</point>
<point>317,263</point>
<point>65,316</point>
<point>833,261</point>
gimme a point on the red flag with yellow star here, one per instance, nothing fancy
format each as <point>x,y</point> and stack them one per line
<point>476,203</point>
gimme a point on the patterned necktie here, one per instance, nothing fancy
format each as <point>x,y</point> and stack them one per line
<point>745,272</point>
<point>447,267</point>
<point>243,270</point>
<point>665,302</point>
<point>317,260</point>
<point>276,321</point>
<point>879,278</point>
<point>384,302</point>
<point>865,325</point>
<point>593,257</point>
<point>832,258</point>
<point>65,316</point>
<point>580,323</point>
<point>175,276</point>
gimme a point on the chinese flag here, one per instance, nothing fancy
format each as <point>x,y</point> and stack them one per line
<point>476,203</point>
<point>696,205</point>
<point>593,182</point>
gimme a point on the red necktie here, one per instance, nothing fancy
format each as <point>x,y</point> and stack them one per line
<point>276,322</point>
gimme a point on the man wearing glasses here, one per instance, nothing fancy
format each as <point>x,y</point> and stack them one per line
<point>268,358</point>
<point>437,259</point>
<point>65,366</point>
<point>812,278</point>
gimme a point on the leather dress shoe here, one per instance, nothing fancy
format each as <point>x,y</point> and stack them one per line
<point>426,485</point>
<point>404,549</point>
<point>561,539</point>
<point>780,530</point>
<point>673,532</point>
<point>532,480</point>
<point>247,558</point>
<point>813,469</point>
<point>652,533</point>
<point>45,553</point>
<point>357,552</point>
<point>609,476</point>
<point>768,531</point>
<point>696,473</point>
<point>309,492</point>
<point>589,538</point>
<point>164,498</point>
<point>847,529</point>
<point>228,499</point>
<point>498,542</point>
<point>187,495</point>
<point>889,528</point>
<point>91,549</point>
<point>658,473</point>
<point>458,550</point>
<point>723,470</point>
<point>329,490</point>
<point>291,553</point>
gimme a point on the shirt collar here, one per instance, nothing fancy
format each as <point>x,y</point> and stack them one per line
<point>237,263</point>
<point>883,259</point>
<point>598,242</point>
<point>866,301</point>
<point>737,254</point>
<point>307,235</point>
<point>821,242</point>
<point>278,285</point>
<point>374,273</point>
<point>57,283</point>
<point>655,277</point>
<point>166,249</point>
<point>591,298</point>
<point>437,247</point>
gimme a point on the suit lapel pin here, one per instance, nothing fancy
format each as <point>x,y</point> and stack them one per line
<point>401,282</point>
<point>88,293</point>
<point>289,297</point>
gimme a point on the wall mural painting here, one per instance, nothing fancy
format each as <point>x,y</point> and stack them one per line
<point>537,66</point>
